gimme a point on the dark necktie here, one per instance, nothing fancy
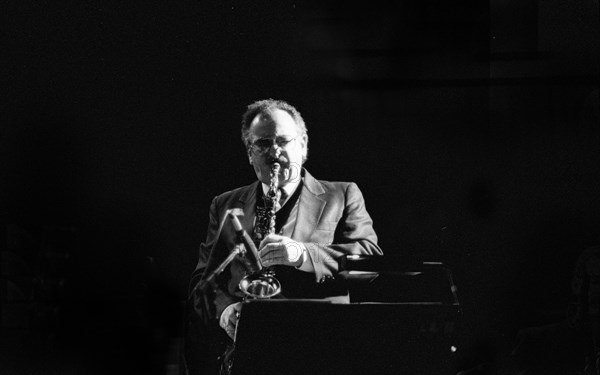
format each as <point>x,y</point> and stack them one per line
<point>282,195</point>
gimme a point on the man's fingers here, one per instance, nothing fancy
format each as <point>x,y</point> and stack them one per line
<point>238,306</point>
<point>269,248</point>
<point>273,253</point>
<point>270,239</point>
<point>274,261</point>
<point>233,319</point>
<point>230,317</point>
<point>230,332</point>
<point>273,258</point>
<point>279,252</point>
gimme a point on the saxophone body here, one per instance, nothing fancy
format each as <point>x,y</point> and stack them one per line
<point>261,284</point>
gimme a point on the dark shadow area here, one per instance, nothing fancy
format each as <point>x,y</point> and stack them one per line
<point>471,129</point>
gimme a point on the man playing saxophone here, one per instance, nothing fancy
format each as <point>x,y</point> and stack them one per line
<point>301,225</point>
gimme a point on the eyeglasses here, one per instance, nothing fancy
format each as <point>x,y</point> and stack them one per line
<point>263,145</point>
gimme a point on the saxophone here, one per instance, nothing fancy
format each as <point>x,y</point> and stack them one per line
<point>261,284</point>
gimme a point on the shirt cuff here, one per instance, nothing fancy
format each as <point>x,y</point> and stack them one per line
<point>303,256</point>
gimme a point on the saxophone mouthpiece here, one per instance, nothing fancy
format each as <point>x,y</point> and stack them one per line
<point>275,167</point>
<point>281,160</point>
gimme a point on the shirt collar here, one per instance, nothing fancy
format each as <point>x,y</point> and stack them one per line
<point>289,188</point>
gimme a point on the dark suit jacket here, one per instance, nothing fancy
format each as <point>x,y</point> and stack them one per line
<point>331,221</point>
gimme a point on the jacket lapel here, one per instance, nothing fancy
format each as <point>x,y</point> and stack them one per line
<point>247,201</point>
<point>310,208</point>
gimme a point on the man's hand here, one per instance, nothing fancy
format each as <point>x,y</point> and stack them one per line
<point>229,318</point>
<point>275,249</point>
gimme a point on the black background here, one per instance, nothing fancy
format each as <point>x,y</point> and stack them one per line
<point>471,128</point>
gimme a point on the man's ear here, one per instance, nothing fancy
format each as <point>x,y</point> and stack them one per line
<point>304,140</point>
<point>304,145</point>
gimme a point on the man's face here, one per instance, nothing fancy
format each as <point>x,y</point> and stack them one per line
<point>281,142</point>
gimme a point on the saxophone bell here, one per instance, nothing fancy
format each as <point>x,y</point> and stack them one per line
<point>260,286</point>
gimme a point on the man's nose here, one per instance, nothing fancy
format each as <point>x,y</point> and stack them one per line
<point>274,150</point>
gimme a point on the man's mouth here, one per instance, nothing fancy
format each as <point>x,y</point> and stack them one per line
<point>283,161</point>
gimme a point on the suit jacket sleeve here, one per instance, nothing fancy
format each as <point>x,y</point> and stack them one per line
<point>202,336</point>
<point>354,234</point>
<point>222,298</point>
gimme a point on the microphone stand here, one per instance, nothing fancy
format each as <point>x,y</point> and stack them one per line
<point>237,250</point>
<point>244,247</point>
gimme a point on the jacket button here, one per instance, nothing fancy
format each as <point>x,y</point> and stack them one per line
<point>326,278</point>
